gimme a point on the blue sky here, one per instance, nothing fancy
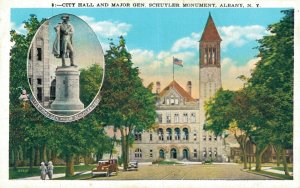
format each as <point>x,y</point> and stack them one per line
<point>154,36</point>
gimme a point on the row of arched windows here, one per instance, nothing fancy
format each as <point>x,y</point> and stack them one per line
<point>177,133</point>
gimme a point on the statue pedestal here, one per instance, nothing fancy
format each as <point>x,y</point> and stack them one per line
<point>67,101</point>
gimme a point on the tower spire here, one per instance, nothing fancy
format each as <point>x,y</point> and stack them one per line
<point>210,32</point>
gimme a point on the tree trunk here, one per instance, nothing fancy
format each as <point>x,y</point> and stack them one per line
<point>124,153</point>
<point>37,156</point>
<point>244,157</point>
<point>69,165</point>
<point>249,162</point>
<point>278,154</point>
<point>16,157</point>
<point>285,166</point>
<point>49,151</point>
<point>31,158</point>
<point>53,156</point>
<point>44,153</point>
<point>258,155</point>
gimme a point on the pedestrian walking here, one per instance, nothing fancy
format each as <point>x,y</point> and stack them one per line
<point>43,169</point>
<point>50,170</point>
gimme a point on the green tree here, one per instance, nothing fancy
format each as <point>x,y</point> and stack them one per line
<point>21,113</point>
<point>273,77</point>
<point>90,81</point>
<point>126,103</point>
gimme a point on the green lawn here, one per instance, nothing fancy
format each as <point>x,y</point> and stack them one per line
<point>167,162</point>
<point>281,168</point>
<point>280,176</point>
<point>22,172</point>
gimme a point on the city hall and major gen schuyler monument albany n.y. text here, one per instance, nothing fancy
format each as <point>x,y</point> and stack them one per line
<point>179,134</point>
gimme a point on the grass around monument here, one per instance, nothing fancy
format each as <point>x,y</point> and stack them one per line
<point>23,172</point>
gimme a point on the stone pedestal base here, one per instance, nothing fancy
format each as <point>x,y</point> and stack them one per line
<point>67,101</point>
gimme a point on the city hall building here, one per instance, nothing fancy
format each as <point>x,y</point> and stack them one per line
<point>179,134</point>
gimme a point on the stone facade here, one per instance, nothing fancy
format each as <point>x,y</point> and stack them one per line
<point>39,67</point>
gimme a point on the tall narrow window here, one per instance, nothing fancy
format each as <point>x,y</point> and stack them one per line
<point>138,153</point>
<point>193,117</point>
<point>169,133</point>
<point>151,155</point>
<point>176,118</point>
<point>39,54</point>
<point>195,153</point>
<point>177,134</point>
<point>39,94</point>
<point>195,136</point>
<point>160,133</point>
<point>185,134</point>
<point>185,118</point>
<point>159,118</point>
<point>150,136</point>
<point>168,118</point>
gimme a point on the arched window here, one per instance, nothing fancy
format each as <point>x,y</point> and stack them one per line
<point>209,153</point>
<point>185,153</point>
<point>204,154</point>
<point>160,133</point>
<point>169,133</point>
<point>138,153</point>
<point>173,153</point>
<point>209,138</point>
<point>185,134</point>
<point>177,134</point>
<point>215,152</point>
<point>161,153</point>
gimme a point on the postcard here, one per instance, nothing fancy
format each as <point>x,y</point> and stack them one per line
<point>149,93</point>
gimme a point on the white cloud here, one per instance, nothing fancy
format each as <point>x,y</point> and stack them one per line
<point>140,56</point>
<point>230,72</point>
<point>107,28</point>
<point>238,36</point>
<point>189,42</point>
<point>19,29</point>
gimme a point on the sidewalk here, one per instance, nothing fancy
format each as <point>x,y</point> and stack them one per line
<point>53,177</point>
<point>269,169</point>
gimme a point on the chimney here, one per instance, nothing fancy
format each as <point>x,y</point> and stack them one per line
<point>157,87</point>
<point>189,87</point>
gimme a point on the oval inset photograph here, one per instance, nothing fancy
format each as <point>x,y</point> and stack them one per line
<point>65,68</point>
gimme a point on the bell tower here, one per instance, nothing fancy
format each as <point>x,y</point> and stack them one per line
<point>209,63</point>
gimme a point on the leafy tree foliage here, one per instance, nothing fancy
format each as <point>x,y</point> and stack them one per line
<point>126,103</point>
<point>263,109</point>
<point>90,81</point>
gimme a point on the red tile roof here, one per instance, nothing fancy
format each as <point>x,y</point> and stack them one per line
<point>210,32</point>
<point>179,89</point>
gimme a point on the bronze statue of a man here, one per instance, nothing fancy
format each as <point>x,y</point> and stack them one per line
<point>63,44</point>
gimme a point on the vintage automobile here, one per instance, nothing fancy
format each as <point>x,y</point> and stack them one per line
<point>106,167</point>
<point>133,165</point>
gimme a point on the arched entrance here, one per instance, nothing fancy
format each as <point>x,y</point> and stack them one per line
<point>173,153</point>
<point>185,153</point>
<point>161,153</point>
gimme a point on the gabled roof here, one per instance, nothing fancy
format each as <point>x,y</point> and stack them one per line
<point>179,89</point>
<point>210,32</point>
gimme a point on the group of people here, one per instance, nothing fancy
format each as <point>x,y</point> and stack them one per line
<point>46,168</point>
